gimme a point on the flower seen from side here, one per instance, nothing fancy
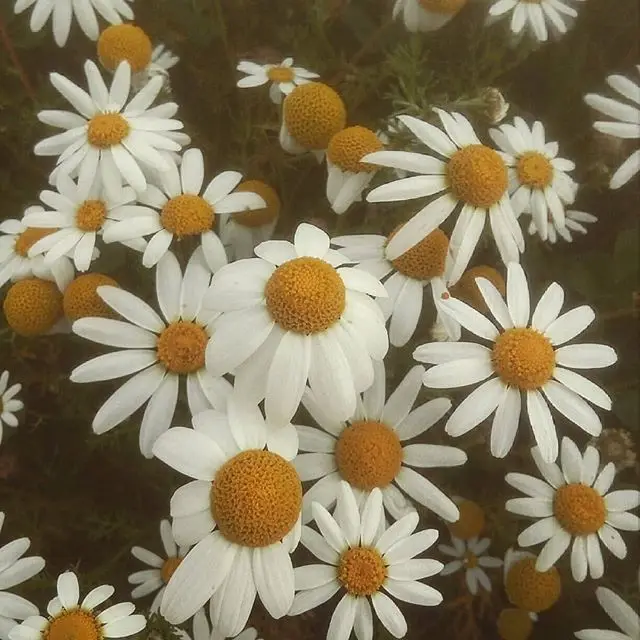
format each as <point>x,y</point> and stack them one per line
<point>9,404</point>
<point>80,298</point>
<point>621,614</point>
<point>427,15</point>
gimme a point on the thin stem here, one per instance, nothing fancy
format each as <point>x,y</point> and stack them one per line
<point>8,45</point>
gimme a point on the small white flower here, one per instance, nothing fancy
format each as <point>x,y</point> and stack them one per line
<point>574,221</point>
<point>470,556</point>
<point>9,404</point>
<point>625,618</point>
<point>427,15</point>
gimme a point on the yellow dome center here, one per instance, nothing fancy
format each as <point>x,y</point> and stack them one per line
<point>442,6</point>
<point>523,358</point>
<point>169,567</point>
<point>90,215</point>
<point>80,299</point>
<point>32,306</point>
<point>313,114</point>
<point>532,590</point>
<point>424,260</point>
<point>107,130</point>
<point>258,217</point>
<point>120,42</point>
<point>28,238</point>
<point>470,523</point>
<point>361,571</point>
<point>256,498</point>
<point>514,624</point>
<point>579,509</point>
<point>368,454</point>
<point>280,74</point>
<point>187,215</point>
<point>347,147</point>
<point>305,295</point>
<point>74,624</point>
<point>467,290</point>
<point>534,170</point>
<point>477,175</point>
<point>181,347</point>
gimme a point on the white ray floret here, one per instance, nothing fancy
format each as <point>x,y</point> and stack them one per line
<point>621,614</point>
<point>426,15</point>
<point>575,222</point>
<point>9,404</point>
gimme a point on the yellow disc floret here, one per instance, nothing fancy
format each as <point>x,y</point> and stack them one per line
<point>107,130</point>
<point>305,295</point>
<point>313,114</point>
<point>424,260</point>
<point>124,42</point>
<point>467,290</point>
<point>169,567</point>
<point>73,624</point>
<point>579,509</point>
<point>81,300</point>
<point>523,358</point>
<point>532,590</point>
<point>187,215</point>
<point>28,238</point>
<point>361,571</point>
<point>442,6</point>
<point>470,560</point>
<point>534,170</point>
<point>471,522</point>
<point>181,347</point>
<point>256,498</point>
<point>347,147</point>
<point>259,217</point>
<point>477,175</point>
<point>280,74</point>
<point>514,624</point>
<point>368,454</point>
<point>90,215</point>
<point>32,306</point>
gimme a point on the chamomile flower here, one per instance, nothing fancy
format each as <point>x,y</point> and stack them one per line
<point>9,404</point>
<point>255,496</point>
<point>471,521</point>
<point>470,556</point>
<point>529,357</point>
<point>471,179</point>
<point>574,222</point>
<point>538,178</point>
<point>626,112</point>
<point>203,631</point>
<point>14,570</point>
<point>367,449</point>
<point>365,564</point>
<point>80,298</point>
<point>427,15</point>
<point>574,504</point>
<point>68,616</point>
<point>160,352</point>
<point>515,624</point>
<point>176,210</point>
<point>293,315</point>
<point>623,615</point>
<point>62,13</point>
<point>161,569</point>
<point>109,136</point>
<point>284,77</point>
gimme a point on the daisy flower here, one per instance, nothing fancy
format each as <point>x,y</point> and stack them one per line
<point>427,15</point>
<point>627,114</point>
<point>14,570</point>
<point>9,404</point>
<point>367,450</point>
<point>63,12</point>
<point>574,504</point>
<point>157,577</point>
<point>256,496</point>
<point>311,115</point>
<point>538,180</point>
<point>293,315</point>
<point>471,179</point>
<point>365,564</point>
<point>108,136</point>
<point>203,631</point>
<point>515,624</point>
<point>176,211</point>
<point>625,618</point>
<point>471,522</point>
<point>405,278</point>
<point>159,351</point>
<point>80,298</point>
<point>68,616</point>
<point>529,357</point>
<point>284,77</point>
<point>470,556</point>
<point>574,222</point>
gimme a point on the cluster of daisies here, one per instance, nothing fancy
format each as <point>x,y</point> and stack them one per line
<point>295,438</point>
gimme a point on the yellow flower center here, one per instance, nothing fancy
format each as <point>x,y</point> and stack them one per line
<point>532,590</point>
<point>181,347</point>
<point>361,571</point>
<point>347,147</point>
<point>467,290</point>
<point>32,306</point>
<point>477,175</point>
<point>80,299</point>
<point>107,130</point>
<point>424,260</point>
<point>368,454</point>
<point>471,521</point>
<point>90,215</point>
<point>523,358</point>
<point>470,560</point>
<point>579,509</point>
<point>74,624</point>
<point>442,6</point>
<point>187,215</point>
<point>169,567</point>
<point>258,217</point>
<point>534,170</point>
<point>121,42</point>
<point>305,295</point>
<point>280,74</point>
<point>514,624</point>
<point>256,498</point>
<point>313,114</point>
<point>28,238</point>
